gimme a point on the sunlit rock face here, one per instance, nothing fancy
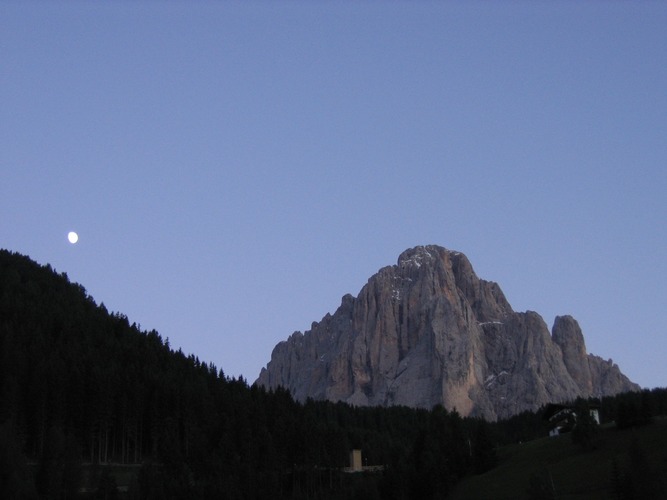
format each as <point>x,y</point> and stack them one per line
<point>428,331</point>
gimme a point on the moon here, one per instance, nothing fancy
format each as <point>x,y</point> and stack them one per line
<point>72,237</point>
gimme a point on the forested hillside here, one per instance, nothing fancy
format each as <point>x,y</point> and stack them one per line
<point>83,390</point>
<point>81,386</point>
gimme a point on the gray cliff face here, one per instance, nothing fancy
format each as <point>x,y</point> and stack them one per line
<point>428,331</point>
<point>567,335</point>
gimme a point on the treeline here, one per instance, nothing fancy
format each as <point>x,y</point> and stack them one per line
<point>81,387</point>
<point>630,409</point>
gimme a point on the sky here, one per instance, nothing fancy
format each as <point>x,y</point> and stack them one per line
<point>234,168</point>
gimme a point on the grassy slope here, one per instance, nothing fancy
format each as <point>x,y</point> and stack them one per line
<point>576,474</point>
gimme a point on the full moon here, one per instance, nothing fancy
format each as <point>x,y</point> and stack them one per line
<point>72,237</point>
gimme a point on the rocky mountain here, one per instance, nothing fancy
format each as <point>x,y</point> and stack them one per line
<point>428,331</point>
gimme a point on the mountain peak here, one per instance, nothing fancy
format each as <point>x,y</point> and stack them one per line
<point>429,331</point>
<point>426,255</point>
<point>419,255</point>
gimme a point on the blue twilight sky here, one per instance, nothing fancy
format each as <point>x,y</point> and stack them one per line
<point>234,169</point>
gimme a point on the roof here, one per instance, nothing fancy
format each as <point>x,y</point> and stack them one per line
<point>552,409</point>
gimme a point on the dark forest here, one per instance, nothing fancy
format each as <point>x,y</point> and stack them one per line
<point>84,391</point>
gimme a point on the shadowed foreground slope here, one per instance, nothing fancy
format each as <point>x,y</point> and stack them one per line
<point>627,463</point>
<point>83,390</point>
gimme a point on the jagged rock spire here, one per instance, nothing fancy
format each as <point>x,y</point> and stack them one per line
<point>428,331</point>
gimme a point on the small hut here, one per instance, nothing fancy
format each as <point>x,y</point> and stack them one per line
<point>562,418</point>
